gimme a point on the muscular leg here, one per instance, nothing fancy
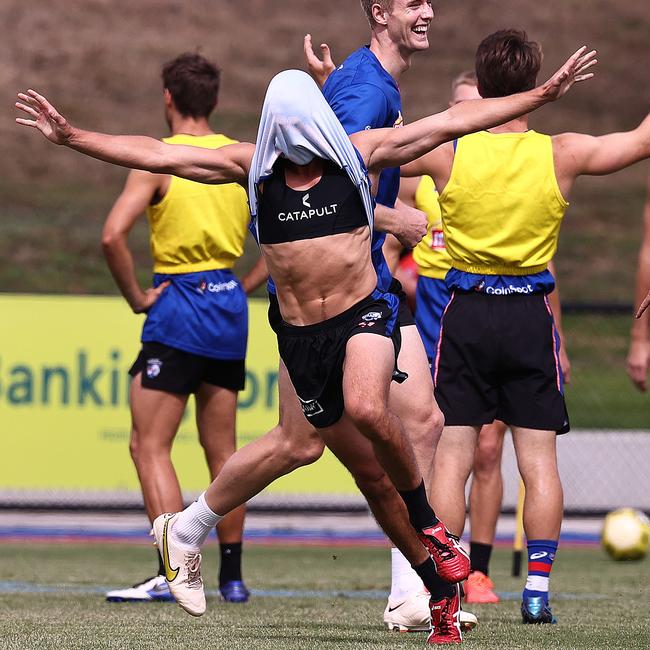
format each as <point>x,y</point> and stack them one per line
<point>452,467</point>
<point>356,453</point>
<point>537,461</point>
<point>367,372</point>
<point>156,416</point>
<point>413,402</point>
<point>216,410</point>
<point>487,484</point>
<point>292,443</point>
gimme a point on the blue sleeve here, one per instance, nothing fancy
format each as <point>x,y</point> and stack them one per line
<point>359,107</point>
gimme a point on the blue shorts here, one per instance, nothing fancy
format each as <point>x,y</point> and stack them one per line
<point>204,313</point>
<point>431,298</point>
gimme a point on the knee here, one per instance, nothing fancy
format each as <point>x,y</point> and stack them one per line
<point>134,446</point>
<point>424,427</point>
<point>487,462</point>
<point>300,452</point>
<point>368,416</point>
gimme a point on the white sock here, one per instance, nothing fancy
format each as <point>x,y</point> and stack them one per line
<point>194,524</point>
<point>404,580</point>
<point>537,583</point>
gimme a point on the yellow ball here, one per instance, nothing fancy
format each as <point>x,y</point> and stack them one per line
<point>626,534</point>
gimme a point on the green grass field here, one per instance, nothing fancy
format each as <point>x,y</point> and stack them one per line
<point>51,598</point>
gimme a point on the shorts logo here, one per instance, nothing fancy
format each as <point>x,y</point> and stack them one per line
<point>154,366</point>
<point>372,315</point>
<point>310,407</point>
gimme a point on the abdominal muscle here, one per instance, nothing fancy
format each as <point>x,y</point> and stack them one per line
<point>317,279</point>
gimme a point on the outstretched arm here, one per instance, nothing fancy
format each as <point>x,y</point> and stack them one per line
<point>576,154</point>
<point>229,164</point>
<point>394,147</point>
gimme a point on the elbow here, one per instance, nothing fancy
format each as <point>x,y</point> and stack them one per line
<point>110,241</point>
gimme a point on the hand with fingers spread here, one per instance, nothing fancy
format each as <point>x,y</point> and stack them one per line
<point>572,72</point>
<point>45,117</point>
<point>319,70</point>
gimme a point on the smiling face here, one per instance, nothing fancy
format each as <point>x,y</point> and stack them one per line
<point>407,23</point>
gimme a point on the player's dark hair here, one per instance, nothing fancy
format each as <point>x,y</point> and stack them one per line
<point>367,5</point>
<point>506,63</point>
<point>193,83</point>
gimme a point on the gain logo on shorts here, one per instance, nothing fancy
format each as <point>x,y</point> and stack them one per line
<point>310,407</point>
<point>154,367</point>
<point>372,315</point>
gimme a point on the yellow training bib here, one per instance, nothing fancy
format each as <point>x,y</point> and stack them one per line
<point>502,207</point>
<point>198,227</point>
<point>430,254</point>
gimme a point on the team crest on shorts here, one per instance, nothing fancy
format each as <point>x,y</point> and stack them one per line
<point>154,366</point>
<point>372,315</point>
<point>310,407</point>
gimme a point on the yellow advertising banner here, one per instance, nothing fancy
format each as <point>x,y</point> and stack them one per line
<point>64,415</point>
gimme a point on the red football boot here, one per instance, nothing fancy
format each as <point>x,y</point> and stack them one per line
<point>445,620</point>
<point>450,558</point>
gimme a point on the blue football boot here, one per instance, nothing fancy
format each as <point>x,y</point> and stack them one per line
<point>534,610</point>
<point>234,591</point>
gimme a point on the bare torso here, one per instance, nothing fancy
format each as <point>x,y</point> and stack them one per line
<point>319,278</point>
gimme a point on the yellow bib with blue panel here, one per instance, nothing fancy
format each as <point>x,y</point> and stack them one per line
<point>431,254</point>
<point>198,227</point>
<point>502,207</point>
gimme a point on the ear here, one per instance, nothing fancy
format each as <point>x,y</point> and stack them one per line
<point>379,14</point>
<point>167,98</point>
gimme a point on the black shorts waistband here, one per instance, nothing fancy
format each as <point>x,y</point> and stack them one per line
<point>335,321</point>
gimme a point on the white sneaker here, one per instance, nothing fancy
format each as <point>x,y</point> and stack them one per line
<point>409,615</point>
<point>151,589</point>
<point>468,621</point>
<point>182,567</point>
<point>413,615</point>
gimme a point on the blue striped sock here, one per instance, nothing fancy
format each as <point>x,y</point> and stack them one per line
<point>541,553</point>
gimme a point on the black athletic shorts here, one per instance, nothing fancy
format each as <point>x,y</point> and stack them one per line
<point>498,360</point>
<point>314,354</point>
<point>175,371</point>
<point>405,315</point>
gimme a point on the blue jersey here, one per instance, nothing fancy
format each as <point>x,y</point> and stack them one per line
<point>364,96</point>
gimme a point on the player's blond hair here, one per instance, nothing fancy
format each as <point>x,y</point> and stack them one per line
<point>466,78</point>
<point>367,6</point>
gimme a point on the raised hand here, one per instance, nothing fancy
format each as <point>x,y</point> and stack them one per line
<point>573,71</point>
<point>318,69</point>
<point>45,117</point>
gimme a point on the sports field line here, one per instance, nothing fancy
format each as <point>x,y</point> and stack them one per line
<point>307,537</point>
<point>9,587</point>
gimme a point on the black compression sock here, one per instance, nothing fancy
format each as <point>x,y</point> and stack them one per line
<point>230,562</point>
<point>420,512</point>
<point>479,555</point>
<point>161,564</point>
<point>437,587</point>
